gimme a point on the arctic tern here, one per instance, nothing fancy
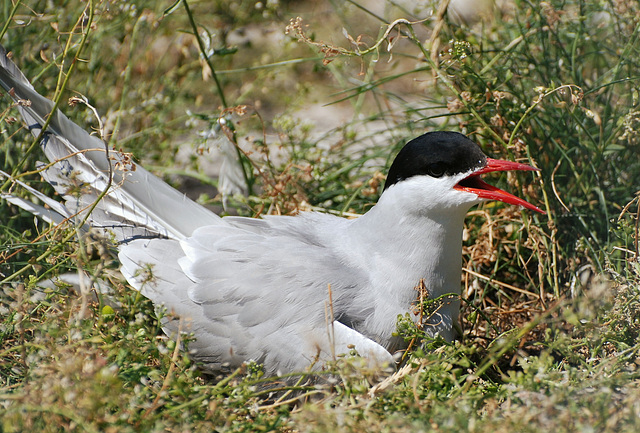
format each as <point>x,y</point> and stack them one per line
<point>258,289</point>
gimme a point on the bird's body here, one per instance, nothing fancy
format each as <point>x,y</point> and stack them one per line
<point>284,291</point>
<point>262,285</point>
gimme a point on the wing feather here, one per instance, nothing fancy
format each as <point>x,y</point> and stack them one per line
<point>252,296</point>
<point>137,203</point>
<point>250,289</point>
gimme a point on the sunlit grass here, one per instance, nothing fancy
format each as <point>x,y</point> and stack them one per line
<point>550,303</point>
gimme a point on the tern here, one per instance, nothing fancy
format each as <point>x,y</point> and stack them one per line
<point>258,289</point>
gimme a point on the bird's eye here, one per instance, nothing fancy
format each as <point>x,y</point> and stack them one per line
<point>436,170</point>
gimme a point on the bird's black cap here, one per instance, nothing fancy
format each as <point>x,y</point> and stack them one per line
<point>436,154</point>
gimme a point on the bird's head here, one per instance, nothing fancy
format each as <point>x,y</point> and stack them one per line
<point>441,171</point>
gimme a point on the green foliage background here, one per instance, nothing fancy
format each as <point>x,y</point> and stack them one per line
<point>550,301</point>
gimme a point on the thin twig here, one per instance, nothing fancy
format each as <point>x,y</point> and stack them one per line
<point>167,379</point>
<point>60,88</point>
<point>203,52</point>
<point>500,283</point>
<point>434,41</point>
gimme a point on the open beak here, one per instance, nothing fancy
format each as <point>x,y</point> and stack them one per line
<point>475,185</point>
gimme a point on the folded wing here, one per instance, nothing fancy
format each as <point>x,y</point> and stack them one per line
<point>248,292</point>
<point>136,204</point>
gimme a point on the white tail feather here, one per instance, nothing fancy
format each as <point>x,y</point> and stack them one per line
<point>136,204</point>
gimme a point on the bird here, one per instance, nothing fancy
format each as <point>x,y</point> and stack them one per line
<point>287,292</point>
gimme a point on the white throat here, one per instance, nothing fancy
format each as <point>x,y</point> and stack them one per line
<point>400,242</point>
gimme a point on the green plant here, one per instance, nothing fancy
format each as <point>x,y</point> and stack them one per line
<point>550,302</point>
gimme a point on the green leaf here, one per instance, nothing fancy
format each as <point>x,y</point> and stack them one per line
<point>172,8</point>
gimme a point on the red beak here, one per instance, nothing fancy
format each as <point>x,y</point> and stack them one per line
<point>477,186</point>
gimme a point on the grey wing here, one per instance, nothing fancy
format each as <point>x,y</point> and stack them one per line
<point>137,203</point>
<point>249,296</point>
<point>55,213</point>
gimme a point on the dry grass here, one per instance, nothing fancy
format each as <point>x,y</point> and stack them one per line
<point>550,304</point>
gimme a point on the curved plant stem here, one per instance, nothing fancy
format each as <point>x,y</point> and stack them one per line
<point>9,19</point>
<point>203,52</point>
<point>223,100</point>
<point>63,82</point>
